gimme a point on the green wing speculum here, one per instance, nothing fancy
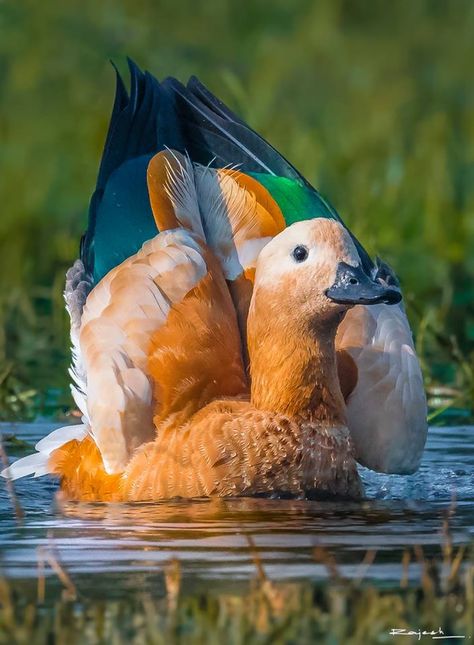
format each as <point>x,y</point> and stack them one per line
<point>297,202</point>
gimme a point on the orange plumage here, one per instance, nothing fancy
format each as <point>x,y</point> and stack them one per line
<point>216,434</point>
<point>81,469</point>
<point>211,354</point>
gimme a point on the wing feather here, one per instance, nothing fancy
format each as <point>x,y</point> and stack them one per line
<point>239,219</point>
<point>387,408</point>
<point>120,317</point>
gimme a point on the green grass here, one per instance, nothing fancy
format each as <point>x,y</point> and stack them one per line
<point>337,612</point>
<point>373,101</point>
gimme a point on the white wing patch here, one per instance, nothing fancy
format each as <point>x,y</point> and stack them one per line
<point>120,317</point>
<point>77,288</point>
<point>118,321</point>
<point>37,463</point>
<point>387,409</point>
<point>231,220</point>
<point>181,190</point>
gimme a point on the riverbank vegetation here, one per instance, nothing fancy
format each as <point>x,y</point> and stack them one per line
<point>373,102</point>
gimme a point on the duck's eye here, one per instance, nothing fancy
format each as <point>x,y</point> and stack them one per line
<point>300,253</point>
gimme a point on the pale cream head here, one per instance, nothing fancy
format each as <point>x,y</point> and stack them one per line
<point>314,269</point>
<point>326,241</point>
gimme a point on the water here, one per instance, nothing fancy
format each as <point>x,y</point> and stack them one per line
<point>125,547</point>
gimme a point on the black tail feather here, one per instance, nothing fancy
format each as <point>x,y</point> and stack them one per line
<point>201,92</point>
<point>231,141</point>
<point>132,133</point>
<point>188,119</point>
<point>206,118</point>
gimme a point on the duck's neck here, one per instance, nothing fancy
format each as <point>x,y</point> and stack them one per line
<point>293,366</point>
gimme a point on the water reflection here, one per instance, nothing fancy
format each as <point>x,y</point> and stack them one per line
<point>213,539</point>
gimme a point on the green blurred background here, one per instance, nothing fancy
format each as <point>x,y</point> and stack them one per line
<point>372,101</point>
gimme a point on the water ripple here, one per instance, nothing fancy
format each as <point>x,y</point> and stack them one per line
<point>132,542</point>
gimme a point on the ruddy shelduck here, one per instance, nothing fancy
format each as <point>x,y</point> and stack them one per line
<point>210,356</point>
<point>161,343</point>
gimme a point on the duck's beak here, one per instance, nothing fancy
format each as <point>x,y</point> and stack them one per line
<point>353,286</point>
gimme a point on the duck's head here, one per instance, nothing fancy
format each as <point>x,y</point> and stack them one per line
<point>313,268</point>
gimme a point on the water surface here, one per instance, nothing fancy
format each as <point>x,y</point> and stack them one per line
<point>125,546</point>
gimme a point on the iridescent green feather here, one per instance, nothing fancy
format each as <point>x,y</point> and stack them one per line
<point>297,202</point>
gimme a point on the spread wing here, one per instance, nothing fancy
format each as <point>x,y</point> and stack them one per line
<point>234,213</point>
<point>120,316</point>
<point>159,333</point>
<point>387,408</point>
<point>158,339</point>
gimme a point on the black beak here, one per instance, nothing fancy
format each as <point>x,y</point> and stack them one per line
<point>354,287</point>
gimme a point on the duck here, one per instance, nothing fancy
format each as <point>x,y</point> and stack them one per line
<point>187,194</point>
<point>212,430</point>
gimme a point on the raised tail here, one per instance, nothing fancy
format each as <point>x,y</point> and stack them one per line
<point>213,135</point>
<point>120,217</point>
<point>192,121</point>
